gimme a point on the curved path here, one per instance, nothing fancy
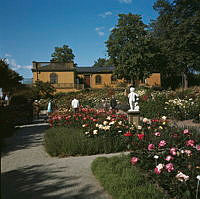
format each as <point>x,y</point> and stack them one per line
<point>28,172</point>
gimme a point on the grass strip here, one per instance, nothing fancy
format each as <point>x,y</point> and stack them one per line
<point>123,180</point>
<point>62,141</point>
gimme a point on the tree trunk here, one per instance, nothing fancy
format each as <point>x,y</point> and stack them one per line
<point>185,81</point>
<point>132,81</point>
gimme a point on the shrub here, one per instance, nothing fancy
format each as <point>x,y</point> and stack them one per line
<point>122,180</point>
<point>153,108</point>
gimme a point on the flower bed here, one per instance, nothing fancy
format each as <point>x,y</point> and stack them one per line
<point>87,132</point>
<point>170,155</point>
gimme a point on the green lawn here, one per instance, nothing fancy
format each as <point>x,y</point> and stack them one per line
<point>123,180</point>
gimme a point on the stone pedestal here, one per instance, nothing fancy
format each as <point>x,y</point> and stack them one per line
<point>134,117</point>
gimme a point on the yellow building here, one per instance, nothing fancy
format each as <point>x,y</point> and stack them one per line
<point>66,77</point>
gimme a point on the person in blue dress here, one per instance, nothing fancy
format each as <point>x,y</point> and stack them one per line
<point>49,108</point>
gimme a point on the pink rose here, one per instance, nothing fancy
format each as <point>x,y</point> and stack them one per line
<point>173,151</point>
<point>157,171</point>
<point>186,131</point>
<point>162,143</point>
<point>158,168</point>
<point>134,160</point>
<point>157,133</point>
<point>190,143</point>
<point>151,147</point>
<point>169,167</point>
<point>198,147</point>
<point>188,152</point>
<point>169,158</point>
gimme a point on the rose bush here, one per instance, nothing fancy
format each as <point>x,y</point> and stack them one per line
<point>170,155</point>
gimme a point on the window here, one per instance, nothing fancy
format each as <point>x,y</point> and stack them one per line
<point>98,79</point>
<point>53,78</point>
<point>113,78</point>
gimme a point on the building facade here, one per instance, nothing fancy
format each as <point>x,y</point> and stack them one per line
<point>65,77</point>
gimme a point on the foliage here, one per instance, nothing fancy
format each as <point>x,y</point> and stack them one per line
<point>178,105</point>
<point>62,54</point>
<point>193,79</point>
<point>130,48</point>
<point>176,32</point>
<point>9,79</point>
<point>153,108</point>
<point>62,141</point>
<point>123,181</point>
<point>102,62</point>
<point>7,122</point>
<point>153,102</point>
<point>18,112</point>
<point>43,90</point>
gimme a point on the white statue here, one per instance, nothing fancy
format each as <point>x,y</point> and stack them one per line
<point>133,100</point>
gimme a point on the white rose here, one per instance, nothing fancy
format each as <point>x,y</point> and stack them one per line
<point>120,122</point>
<point>100,126</point>
<point>95,132</point>
<point>105,123</point>
<point>139,127</point>
<point>182,177</point>
<point>108,118</point>
<point>156,156</point>
<point>160,166</point>
<point>111,122</point>
<point>107,128</point>
<point>145,120</point>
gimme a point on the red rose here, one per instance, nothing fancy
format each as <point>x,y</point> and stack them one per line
<point>128,134</point>
<point>140,136</point>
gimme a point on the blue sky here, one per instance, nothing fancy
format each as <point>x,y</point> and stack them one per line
<point>31,29</point>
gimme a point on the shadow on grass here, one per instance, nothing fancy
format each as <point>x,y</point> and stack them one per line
<point>36,182</point>
<point>25,137</point>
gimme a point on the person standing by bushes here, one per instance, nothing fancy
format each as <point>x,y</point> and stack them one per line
<point>113,103</point>
<point>36,109</point>
<point>49,108</point>
<point>75,105</point>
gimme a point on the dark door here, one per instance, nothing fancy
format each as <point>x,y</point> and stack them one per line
<point>87,81</point>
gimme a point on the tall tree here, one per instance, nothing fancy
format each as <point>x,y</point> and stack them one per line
<point>62,54</point>
<point>130,49</point>
<point>102,62</point>
<point>9,79</point>
<point>177,29</point>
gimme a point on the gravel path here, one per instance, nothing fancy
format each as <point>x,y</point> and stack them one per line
<point>28,172</point>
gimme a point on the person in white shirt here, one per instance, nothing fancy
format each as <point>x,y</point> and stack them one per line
<point>75,105</point>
